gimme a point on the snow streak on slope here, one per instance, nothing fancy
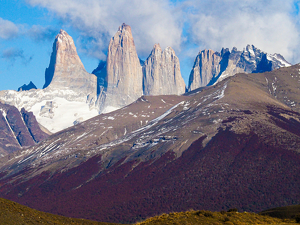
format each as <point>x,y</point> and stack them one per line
<point>139,131</point>
<point>105,131</point>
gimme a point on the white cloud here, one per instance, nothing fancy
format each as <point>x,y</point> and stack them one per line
<point>267,24</point>
<point>152,21</point>
<point>8,29</point>
<point>40,33</point>
<point>12,54</point>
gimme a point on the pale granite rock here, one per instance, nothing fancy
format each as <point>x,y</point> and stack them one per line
<point>162,74</point>
<point>124,77</point>
<point>211,67</point>
<point>206,67</point>
<point>66,70</point>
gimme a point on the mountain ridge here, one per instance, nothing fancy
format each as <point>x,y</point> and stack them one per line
<point>220,147</point>
<point>77,95</point>
<point>211,67</point>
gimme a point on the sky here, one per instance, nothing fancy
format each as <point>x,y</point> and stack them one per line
<point>28,29</point>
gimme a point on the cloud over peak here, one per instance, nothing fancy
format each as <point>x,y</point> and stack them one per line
<point>152,21</point>
<point>40,33</point>
<point>272,25</point>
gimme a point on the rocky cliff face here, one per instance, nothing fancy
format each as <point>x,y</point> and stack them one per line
<point>33,127</point>
<point>161,73</point>
<point>66,70</point>
<point>206,67</point>
<point>18,129</point>
<point>211,67</point>
<point>123,81</point>
<point>69,94</point>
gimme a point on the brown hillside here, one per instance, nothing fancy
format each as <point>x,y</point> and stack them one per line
<point>15,214</point>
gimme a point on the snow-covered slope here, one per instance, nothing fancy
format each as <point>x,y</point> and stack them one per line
<point>54,109</point>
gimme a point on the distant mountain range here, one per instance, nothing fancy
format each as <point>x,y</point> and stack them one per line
<point>70,91</point>
<point>211,67</point>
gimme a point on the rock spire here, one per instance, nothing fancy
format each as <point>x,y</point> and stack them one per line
<point>162,74</point>
<point>123,70</point>
<point>211,67</point>
<point>66,70</point>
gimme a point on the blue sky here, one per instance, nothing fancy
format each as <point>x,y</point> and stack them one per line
<point>28,29</point>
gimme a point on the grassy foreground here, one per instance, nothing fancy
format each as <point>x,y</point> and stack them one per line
<point>214,218</point>
<point>14,213</point>
<point>283,212</point>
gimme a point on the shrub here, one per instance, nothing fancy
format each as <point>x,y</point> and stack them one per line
<point>233,210</point>
<point>209,214</point>
<point>297,217</point>
<point>198,213</point>
<point>226,219</point>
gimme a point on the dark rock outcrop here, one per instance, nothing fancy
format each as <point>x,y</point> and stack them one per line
<point>18,129</point>
<point>27,87</point>
<point>33,126</point>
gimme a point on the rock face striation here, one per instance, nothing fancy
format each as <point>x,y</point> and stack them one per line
<point>161,73</point>
<point>66,69</point>
<point>207,67</point>
<point>124,77</point>
<point>211,67</point>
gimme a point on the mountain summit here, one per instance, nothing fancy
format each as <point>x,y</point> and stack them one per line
<point>211,67</point>
<point>66,69</point>
<point>162,74</point>
<point>69,94</point>
<point>124,73</point>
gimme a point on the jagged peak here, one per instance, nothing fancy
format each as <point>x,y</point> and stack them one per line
<point>63,36</point>
<point>234,49</point>
<point>124,27</point>
<point>61,31</point>
<point>169,49</point>
<point>205,51</point>
<point>27,87</point>
<point>123,31</point>
<point>157,46</point>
